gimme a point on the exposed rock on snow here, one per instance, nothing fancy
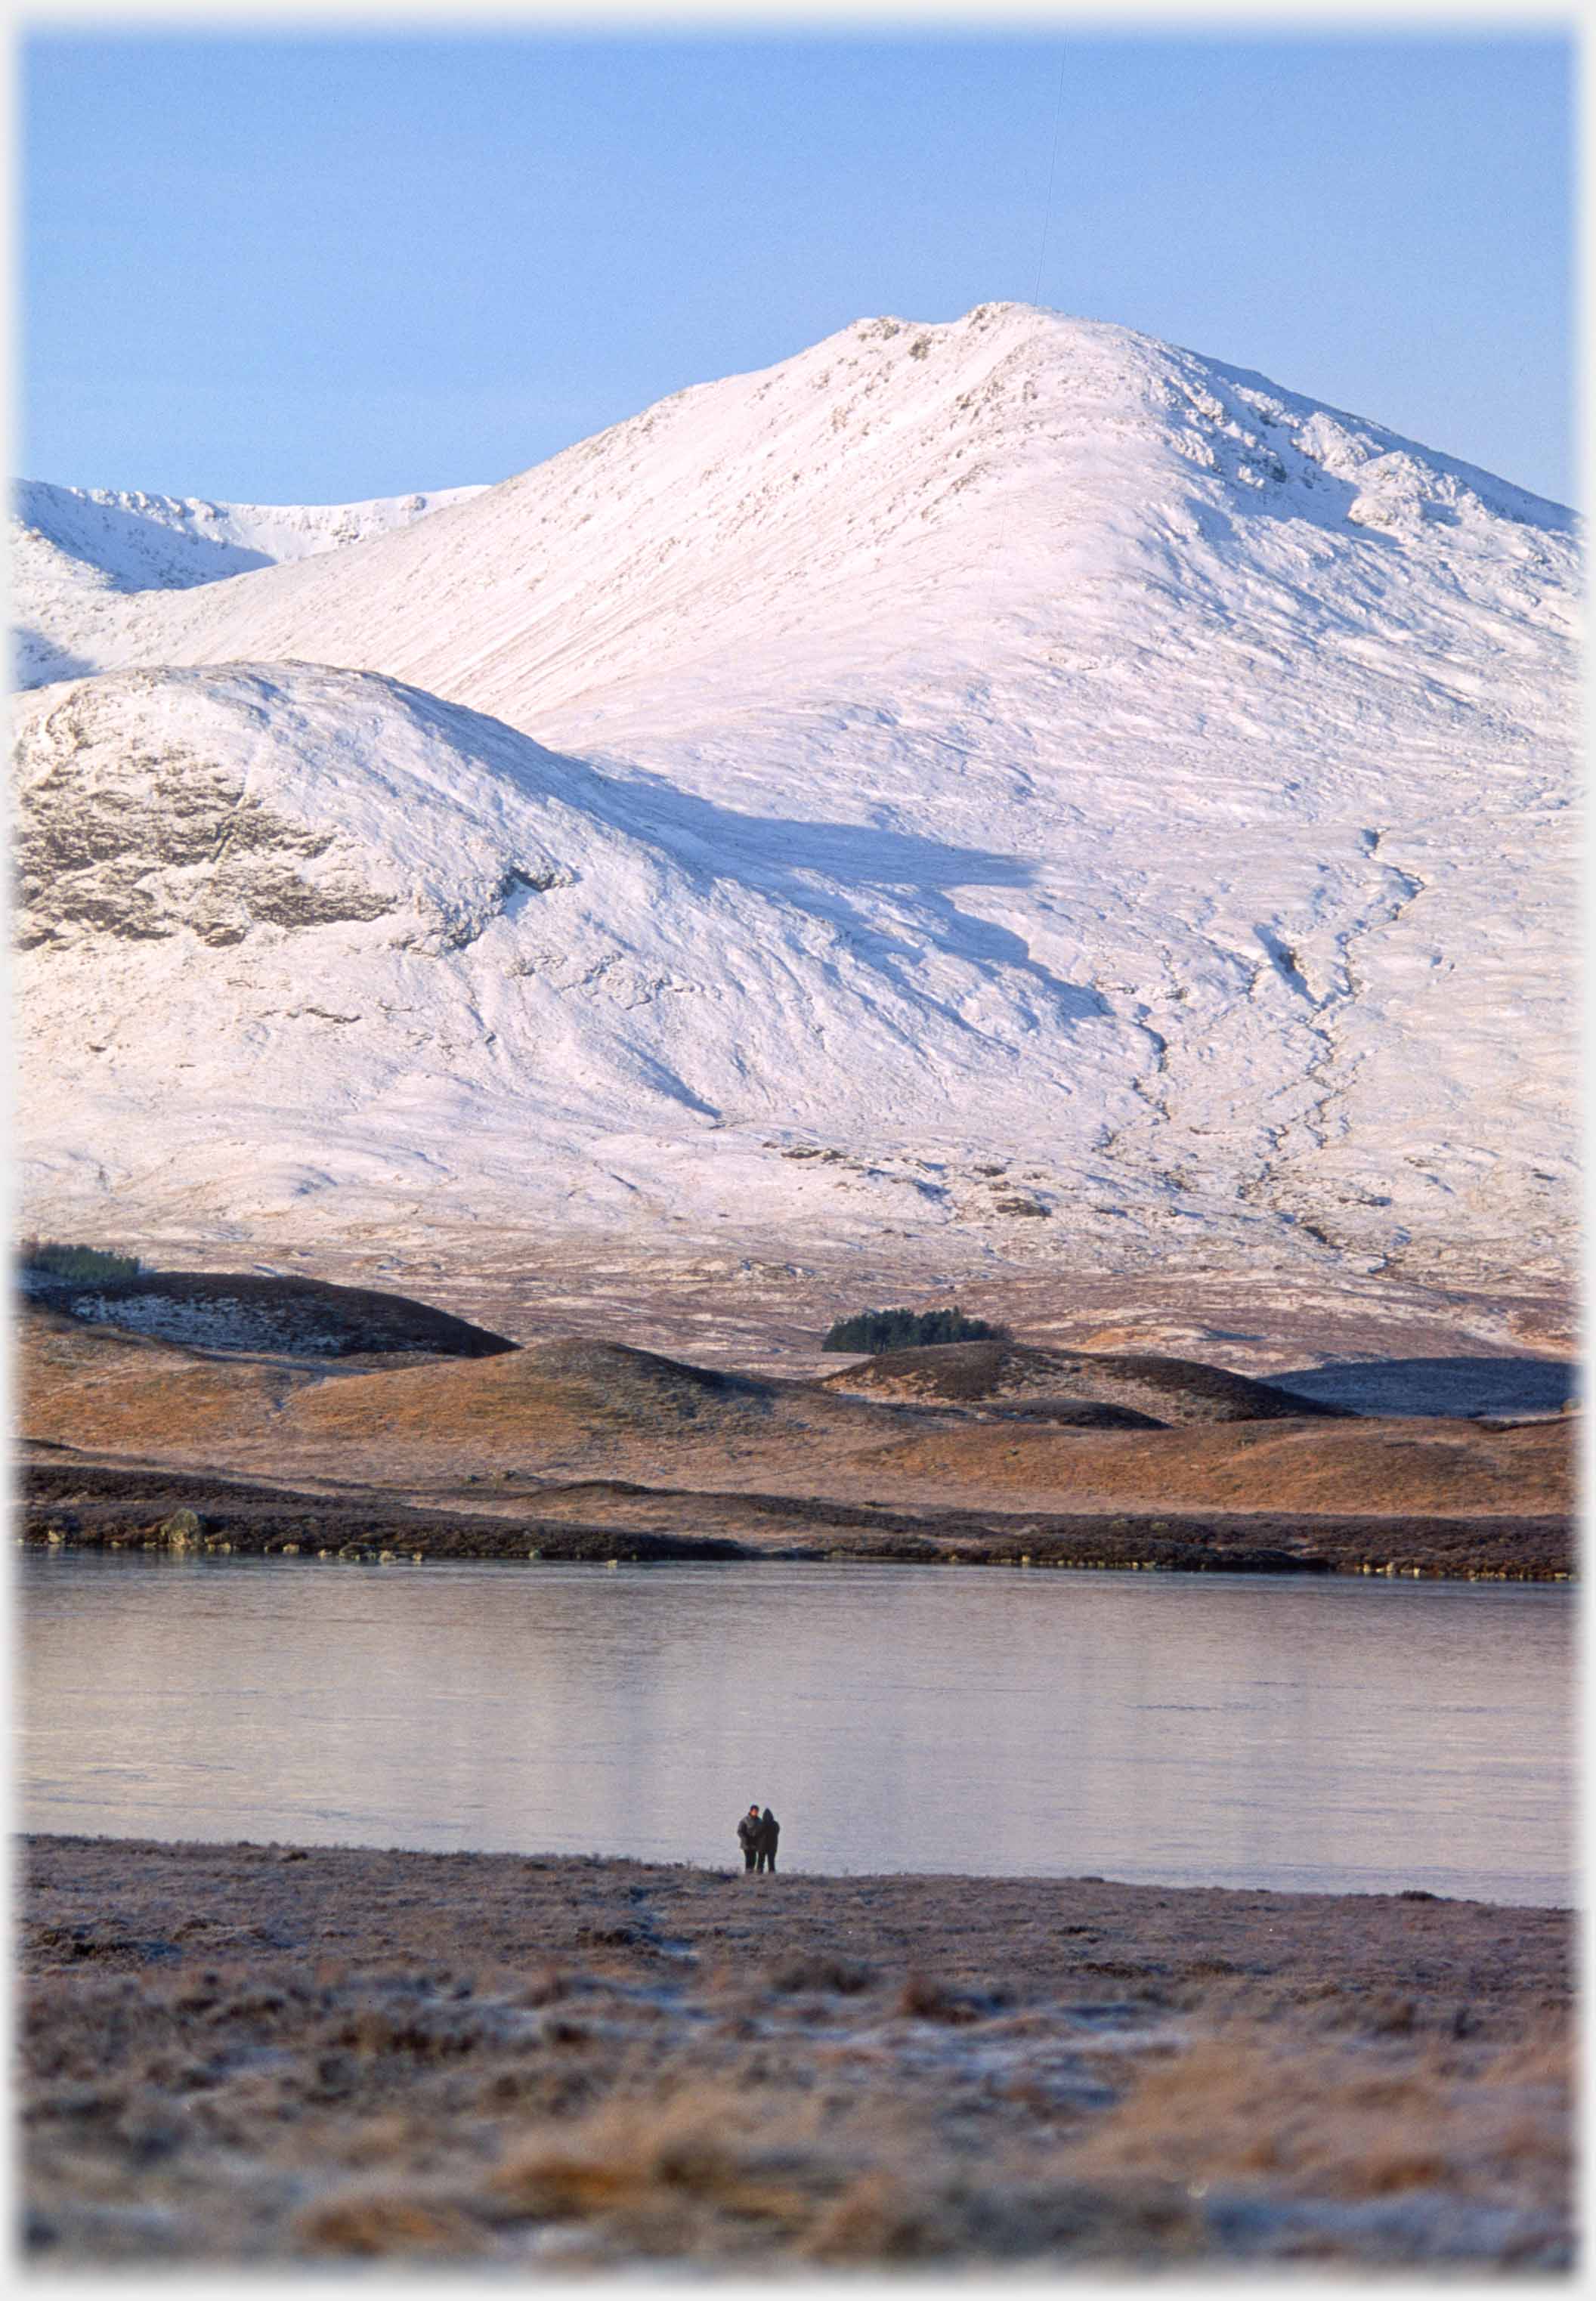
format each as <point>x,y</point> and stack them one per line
<point>1016,744</point>
<point>159,801</point>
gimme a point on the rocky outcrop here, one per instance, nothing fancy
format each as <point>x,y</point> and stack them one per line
<point>181,844</point>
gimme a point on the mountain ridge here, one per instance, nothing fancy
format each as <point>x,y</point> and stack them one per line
<point>72,547</point>
<point>872,417</point>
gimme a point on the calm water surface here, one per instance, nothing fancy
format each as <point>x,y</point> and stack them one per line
<point>1217,1729</point>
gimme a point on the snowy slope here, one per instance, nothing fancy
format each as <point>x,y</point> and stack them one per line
<point>73,549</point>
<point>356,935</point>
<point>1052,750</point>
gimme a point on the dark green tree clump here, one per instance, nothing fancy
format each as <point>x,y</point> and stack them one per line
<point>60,1261</point>
<point>909,1330</point>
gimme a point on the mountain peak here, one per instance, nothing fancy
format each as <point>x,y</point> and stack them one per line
<point>1002,772</point>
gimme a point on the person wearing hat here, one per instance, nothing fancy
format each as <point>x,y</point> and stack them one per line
<point>747,1836</point>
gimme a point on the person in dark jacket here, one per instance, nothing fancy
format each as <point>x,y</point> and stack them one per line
<point>747,1836</point>
<point>765,1845</point>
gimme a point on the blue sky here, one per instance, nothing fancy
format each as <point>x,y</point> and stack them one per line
<point>312,269</point>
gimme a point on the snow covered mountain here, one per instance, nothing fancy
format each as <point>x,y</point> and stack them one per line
<point>1010,781</point>
<point>73,549</point>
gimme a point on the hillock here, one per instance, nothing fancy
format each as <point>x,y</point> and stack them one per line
<point>1166,1390</point>
<point>262,1311</point>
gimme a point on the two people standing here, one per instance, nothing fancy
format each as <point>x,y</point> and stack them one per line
<point>757,1834</point>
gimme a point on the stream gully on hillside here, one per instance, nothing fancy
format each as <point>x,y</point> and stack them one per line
<point>1340,1736</point>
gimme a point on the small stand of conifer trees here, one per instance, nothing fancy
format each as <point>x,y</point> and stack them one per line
<point>907,1330</point>
<point>55,1259</point>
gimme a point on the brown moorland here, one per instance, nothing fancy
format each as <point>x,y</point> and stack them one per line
<point>1374,1467</point>
<point>330,2057</point>
<point>71,1502</point>
<point>612,1436</point>
<point>101,1389</point>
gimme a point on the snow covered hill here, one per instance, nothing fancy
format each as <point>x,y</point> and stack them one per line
<point>1014,782</point>
<point>73,550</point>
<point>293,932</point>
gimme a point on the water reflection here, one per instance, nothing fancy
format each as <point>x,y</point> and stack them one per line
<point>1231,1730</point>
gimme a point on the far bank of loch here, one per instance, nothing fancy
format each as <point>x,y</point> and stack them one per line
<point>324,1428</point>
<point>93,1506</point>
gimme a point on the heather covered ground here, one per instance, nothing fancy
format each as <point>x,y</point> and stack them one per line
<point>574,1446</point>
<point>333,2056</point>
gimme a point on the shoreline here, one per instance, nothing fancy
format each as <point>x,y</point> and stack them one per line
<point>72,1502</point>
<point>1159,1892</point>
<point>275,2054</point>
